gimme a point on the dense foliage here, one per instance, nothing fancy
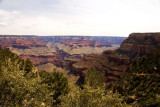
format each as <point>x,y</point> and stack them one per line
<point>90,97</point>
<point>57,83</point>
<point>93,93</point>
<point>94,78</point>
<point>149,64</point>
<point>141,85</point>
<point>22,85</point>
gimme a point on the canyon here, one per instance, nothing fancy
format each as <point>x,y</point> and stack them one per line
<point>76,54</point>
<point>57,51</point>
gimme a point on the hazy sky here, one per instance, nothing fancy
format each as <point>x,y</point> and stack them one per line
<point>79,17</point>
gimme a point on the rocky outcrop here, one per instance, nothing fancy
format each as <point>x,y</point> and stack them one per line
<point>138,44</point>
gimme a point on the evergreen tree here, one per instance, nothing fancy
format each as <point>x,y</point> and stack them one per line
<point>57,83</point>
<point>28,66</point>
<point>93,94</point>
<point>141,84</point>
<point>15,88</point>
<point>94,78</point>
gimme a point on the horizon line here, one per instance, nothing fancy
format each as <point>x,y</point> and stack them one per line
<point>59,35</point>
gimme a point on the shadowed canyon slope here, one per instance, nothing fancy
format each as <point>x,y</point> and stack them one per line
<point>114,63</point>
<point>57,51</point>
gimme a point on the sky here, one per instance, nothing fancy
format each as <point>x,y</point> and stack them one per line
<point>79,17</point>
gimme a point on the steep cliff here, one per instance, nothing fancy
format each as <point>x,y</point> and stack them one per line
<point>139,44</point>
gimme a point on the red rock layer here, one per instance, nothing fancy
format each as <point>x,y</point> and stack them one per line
<point>38,60</point>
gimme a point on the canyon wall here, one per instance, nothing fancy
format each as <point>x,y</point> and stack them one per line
<point>138,44</point>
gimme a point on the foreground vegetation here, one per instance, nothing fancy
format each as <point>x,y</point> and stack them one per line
<point>92,94</point>
<point>22,85</point>
<point>141,85</point>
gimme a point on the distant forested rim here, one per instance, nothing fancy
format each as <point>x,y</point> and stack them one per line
<point>22,85</point>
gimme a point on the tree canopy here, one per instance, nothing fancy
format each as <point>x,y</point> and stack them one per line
<point>22,85</point>
<point>141,84</point>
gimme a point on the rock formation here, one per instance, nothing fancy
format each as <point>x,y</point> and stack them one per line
<point>138,44</point>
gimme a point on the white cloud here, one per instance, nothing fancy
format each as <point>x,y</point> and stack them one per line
<point>5,17</point>
<point>79,17</point>
<point>15,12</point>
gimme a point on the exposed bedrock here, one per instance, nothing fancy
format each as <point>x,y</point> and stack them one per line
<point>138,44</point>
